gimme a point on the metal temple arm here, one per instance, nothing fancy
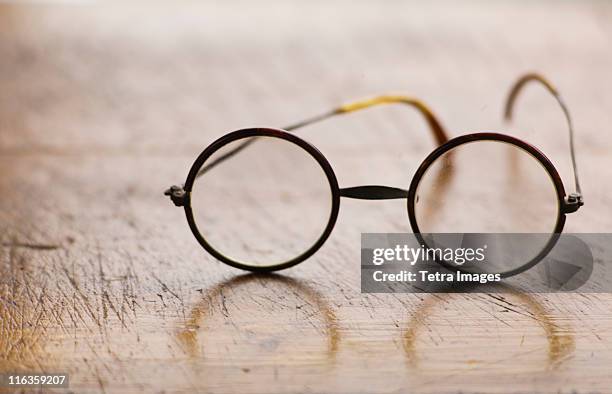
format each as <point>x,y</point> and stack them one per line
<point>508,111</point>
<point>435,126</point>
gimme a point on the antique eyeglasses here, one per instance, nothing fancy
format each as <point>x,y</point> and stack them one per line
<point>264,199</point>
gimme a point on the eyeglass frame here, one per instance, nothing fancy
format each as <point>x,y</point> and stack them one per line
<point>181,196</point>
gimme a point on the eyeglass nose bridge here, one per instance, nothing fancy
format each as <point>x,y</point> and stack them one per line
<point>373,192</point>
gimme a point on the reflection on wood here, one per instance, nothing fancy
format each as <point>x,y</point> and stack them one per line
<point>188,335</point>
<point>561,341</point>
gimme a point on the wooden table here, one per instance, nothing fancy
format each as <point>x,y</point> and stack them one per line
<point>104,106</point>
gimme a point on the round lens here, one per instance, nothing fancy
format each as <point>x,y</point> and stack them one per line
<point>492,193</point>
<point>261,201</point>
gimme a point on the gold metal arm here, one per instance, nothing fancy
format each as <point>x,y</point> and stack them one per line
<point>435,126</point>
<point>508,111</point>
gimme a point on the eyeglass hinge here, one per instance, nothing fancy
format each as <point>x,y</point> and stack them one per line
<point>572,202</point>
<point>177,195</point>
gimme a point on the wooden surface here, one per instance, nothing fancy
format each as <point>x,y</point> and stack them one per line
<point>102,107</point>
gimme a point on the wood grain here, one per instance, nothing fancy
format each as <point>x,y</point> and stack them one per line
<point>104,106</point>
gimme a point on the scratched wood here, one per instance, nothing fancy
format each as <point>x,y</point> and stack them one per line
<point>102,107</point>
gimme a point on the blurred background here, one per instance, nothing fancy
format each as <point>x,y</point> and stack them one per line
<point>168,79</point>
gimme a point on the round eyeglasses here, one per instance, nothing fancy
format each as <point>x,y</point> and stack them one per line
<point>275,203</point>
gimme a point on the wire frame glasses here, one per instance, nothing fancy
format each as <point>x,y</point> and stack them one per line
<point>264,199</point>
